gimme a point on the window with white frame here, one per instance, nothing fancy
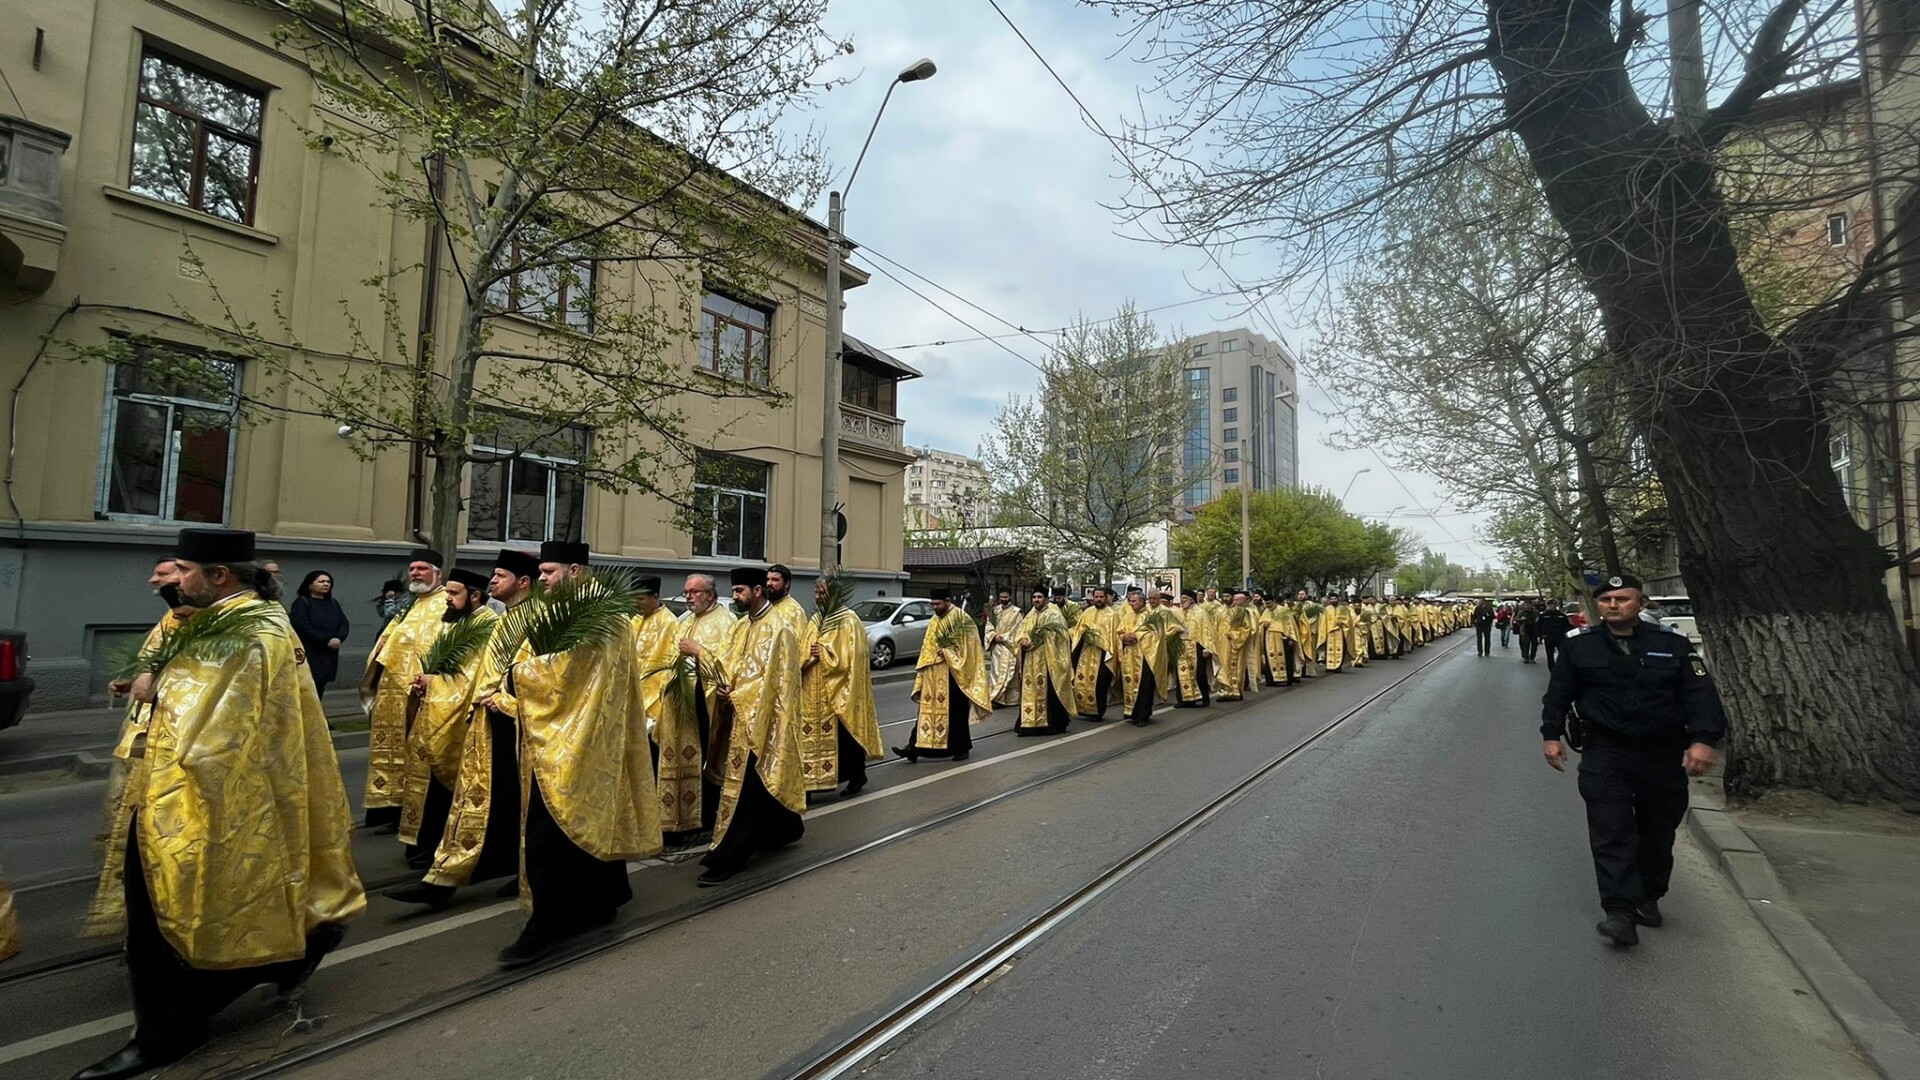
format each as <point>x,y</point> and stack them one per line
<point>527,484</point>
<point>167,448</point>
<point>1840,452</point>
<point>1837,230</point>
<point>731,493</point>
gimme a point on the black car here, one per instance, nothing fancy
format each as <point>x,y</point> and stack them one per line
<point>15,687</point>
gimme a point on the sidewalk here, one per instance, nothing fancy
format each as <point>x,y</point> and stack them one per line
<point>1838,887</point>
<point>81,741</point>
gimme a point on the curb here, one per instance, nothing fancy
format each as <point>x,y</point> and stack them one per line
<point>94,762</point>
<point>1880,1033</point>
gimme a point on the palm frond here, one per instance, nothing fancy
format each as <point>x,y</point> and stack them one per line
<point>1044,632</point>
<point>946,634</point>
<point>590,610</point>
<point>839,595</point>
<point>681,685</point>
<point>1313,610</point>
<point>458,643</point>
<point>213,634</point>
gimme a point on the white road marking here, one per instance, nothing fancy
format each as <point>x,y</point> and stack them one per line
<point>53,1040</point>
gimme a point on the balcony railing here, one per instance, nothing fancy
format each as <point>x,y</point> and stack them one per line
<point>32,220</point>
<point>871,428</point>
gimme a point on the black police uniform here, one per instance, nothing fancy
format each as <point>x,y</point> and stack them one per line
<point>1644,697</point>
<point>1553,626</point>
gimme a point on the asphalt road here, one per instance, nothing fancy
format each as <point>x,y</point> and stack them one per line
<point>1415,901</point>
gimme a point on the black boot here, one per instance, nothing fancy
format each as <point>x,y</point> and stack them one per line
<point>1618,929</point>
<point>1647,913</point>
<point>907,752</point>
<point>129,1060</point>
<point>435,897</point>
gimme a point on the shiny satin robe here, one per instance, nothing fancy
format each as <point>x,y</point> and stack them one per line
<point>1048,661</point>
<point>676,729</point>
<point>583,737</point>
<point>656,656</point>
<point>1239,642</point>
<point>104,914</point>
<point>9,924</point>
<point>1091,645</point>
<point>761,663</point>
<point>244,826</point>
<point>437,735</point>
<point>399,650</point>
<point>465,838</point>
<point>1189,653</point>
<point>836,690</point>
<point>1148,653</point>
<point>1003,660</point>
<point>935,673</point>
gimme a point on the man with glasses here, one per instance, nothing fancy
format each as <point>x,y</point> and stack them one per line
<point>688,801</point>
<point>1652,718</point>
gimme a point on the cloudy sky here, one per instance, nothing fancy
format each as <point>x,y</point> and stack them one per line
<point>986,180</point>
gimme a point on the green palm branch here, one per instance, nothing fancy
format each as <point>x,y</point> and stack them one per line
<point>681,685</point>
<point>1044,632</point>
<point>839,596</point>
<point>457,644</point>
<point>947,631</point>
<point>1313,610</point>
<point>591,610</point>
<point>213,634</point>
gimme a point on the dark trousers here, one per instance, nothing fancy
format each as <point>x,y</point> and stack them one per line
<point>1140,710</point>
<point>1553,649</point>
<point>759,824</point>
<point>433,820</point>
<point>173,1001</point>
<point>853,758</point>
<point>500,851</point>
<point>1635,800</point>
<point>572,890</point>
<point>1529,645</point>
<point>1292,650</point>
<point>959,728</point>
<point>1506,634</point>
<point>1484,632</point>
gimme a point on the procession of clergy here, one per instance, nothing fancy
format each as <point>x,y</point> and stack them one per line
<point>575,744</point>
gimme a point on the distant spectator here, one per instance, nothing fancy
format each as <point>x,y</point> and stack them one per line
<point>391,601</point>
<point>321,624</point>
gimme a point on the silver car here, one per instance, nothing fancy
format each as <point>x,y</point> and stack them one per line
<point>895,627</point>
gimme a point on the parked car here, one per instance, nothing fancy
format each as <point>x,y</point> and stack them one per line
<point>894,626</point>
<point>1675,613</point>
<point>15,687</point>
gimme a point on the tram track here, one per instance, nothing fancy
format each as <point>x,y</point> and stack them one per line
<point>848,1054</point>
<point>498,982</point>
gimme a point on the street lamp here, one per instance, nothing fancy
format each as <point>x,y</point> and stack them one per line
<point>836,304</point>
<point>1356,476</point>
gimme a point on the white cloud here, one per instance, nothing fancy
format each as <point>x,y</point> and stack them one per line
<point>986,179</point>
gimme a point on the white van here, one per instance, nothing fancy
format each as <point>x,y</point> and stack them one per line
<point>1675,613</point>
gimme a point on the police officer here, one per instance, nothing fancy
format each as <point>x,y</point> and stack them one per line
<point>1652,719</point>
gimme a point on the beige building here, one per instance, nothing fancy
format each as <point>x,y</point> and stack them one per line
<point>947,491</point>
<point>144,130</point>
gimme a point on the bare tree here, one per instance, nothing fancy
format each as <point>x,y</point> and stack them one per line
<point>1092,458</point>
<point>1298,120</point>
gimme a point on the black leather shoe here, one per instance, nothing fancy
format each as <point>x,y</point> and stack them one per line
<point>711,878</point>
<point>907,752</point>
<point>1647,913</point>
<point>1618,929</point>
<point>126,1061</point>
<point>853,789</point>
<point>435,897</point>
<point>961,756</point>
<point>527,950</point>
<point>509,891</point>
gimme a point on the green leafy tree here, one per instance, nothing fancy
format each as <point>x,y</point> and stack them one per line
<point>1298,538</point>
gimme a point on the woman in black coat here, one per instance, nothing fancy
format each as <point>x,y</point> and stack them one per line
<point>321,624</point>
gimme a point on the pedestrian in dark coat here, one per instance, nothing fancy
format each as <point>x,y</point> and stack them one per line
<point>321,625</point>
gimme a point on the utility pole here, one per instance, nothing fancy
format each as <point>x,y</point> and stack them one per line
<point>1246,528</point>
<point>830,420</point>
<point>1689,60</point>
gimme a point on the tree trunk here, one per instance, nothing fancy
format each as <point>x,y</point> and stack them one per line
<point>1820,687</point>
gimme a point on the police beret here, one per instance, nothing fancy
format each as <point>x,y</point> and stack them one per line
<point>1618,581</point>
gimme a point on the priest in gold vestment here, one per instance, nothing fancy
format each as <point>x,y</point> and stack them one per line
<point>1333,634</point>
<point>482,836</point>
<point>1095,653</point>
<point>949,685</point>
<point>388,687</point>
<point>656,651</point>
<point>236,867</point>
<point>1003,660</point>
<point>839,728</point>
<point>1238,634</point>
<point>1047,683</point>
<point>1141,634</point>
<point>764,792</point>
<point>585,775</point>
<point>689,763</point>
<point>1196,686</point>
<point>437,728</point>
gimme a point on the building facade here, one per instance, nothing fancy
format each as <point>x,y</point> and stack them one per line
<point>173,176</point>
<point>1243,395</point>
<point>947,491</point>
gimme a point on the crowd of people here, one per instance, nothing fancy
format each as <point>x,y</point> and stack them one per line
<point>1537,625</point>
<point>545,724</point>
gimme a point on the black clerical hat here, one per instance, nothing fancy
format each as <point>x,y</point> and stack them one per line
<point>750,576</point>
<point>565,552</point>
<point>940,594</point>
<point>648,586</point>
<point>468,578</point>
<point>214,547</point>
<point>426,555</point>
<point>517,563</point>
